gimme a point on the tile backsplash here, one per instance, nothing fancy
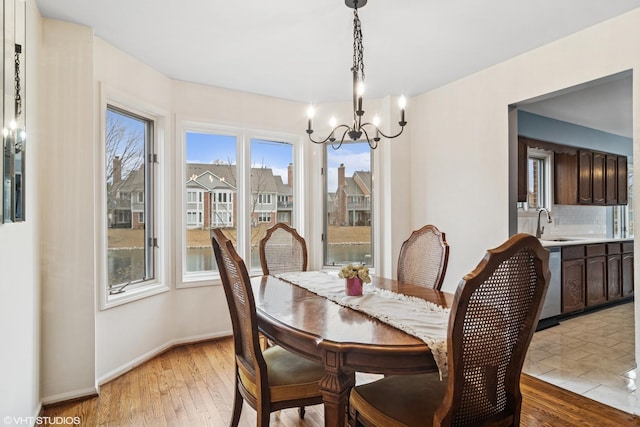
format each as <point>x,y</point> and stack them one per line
<point>570,221</point>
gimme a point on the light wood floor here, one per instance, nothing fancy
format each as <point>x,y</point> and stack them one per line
<point>192,385</point>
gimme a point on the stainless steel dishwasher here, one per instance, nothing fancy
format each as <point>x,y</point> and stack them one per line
<point>552,307</point>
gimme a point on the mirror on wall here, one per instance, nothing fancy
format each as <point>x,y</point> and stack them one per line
<point>13,106</point>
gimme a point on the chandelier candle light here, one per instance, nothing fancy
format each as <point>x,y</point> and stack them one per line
<point>357,129</point>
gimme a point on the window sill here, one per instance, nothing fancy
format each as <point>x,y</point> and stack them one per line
<point>198,280</point>
<point>134,294</point>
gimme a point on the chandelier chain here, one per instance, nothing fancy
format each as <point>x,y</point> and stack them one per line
<point>357,129</point>
<point>18,88</point>
<point>358,47</point>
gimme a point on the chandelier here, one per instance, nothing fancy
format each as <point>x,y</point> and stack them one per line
<point>357,129</point>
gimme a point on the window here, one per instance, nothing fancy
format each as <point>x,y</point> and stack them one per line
<point>264,217</point>
<point>211,202</point>
<point>538,181</point>
<point>271,179</point>
<point>232,182</point>
<point>623,214</point>
<point>264,199</point>
<point>349,218</point>
<point>130,163</point>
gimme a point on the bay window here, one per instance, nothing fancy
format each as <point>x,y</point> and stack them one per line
<point>241,179</point>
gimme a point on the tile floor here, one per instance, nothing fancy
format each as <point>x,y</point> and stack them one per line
<point>592,355</point>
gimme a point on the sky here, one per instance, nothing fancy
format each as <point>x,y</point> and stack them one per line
<point>211,148</point>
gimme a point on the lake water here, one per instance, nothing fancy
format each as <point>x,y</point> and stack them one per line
<point>127,264</point>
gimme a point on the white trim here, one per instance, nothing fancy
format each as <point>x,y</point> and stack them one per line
<point>111,96</point>
<point>547,158</point>
<point>70,395</point>
<point>243,136</point>
<point>183,278</point>
<point>132,364</point>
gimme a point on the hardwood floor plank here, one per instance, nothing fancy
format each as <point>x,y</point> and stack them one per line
<point>192,385</point>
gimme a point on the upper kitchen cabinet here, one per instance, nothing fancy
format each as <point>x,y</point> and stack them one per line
<point>623,185</point>
<point>598,178</point>
<point>611,179</point>
<point>522,170</point>
<point>586,177</point>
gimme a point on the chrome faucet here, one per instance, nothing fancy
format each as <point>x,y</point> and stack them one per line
<point>540,230</point>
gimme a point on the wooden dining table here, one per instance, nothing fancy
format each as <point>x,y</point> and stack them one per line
<point>344,340</point>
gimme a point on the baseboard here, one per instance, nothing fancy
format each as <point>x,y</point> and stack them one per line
<point>70,396</point>
<point>157,351</point>
<point>94,391</point>
<point>547,323</point>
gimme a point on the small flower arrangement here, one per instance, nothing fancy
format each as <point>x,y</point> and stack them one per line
<point>351,271</point>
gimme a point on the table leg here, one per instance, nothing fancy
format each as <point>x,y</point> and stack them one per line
<point>335,387</point>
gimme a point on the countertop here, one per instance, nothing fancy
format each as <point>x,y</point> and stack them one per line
<point>568,241</point>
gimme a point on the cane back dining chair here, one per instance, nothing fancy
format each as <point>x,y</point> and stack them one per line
<point>267,380</point>
<point>424,257</point>
<point>282,249</point>
<point>493,317</point>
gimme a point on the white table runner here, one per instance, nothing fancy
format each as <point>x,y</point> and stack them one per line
<point>415,316</point>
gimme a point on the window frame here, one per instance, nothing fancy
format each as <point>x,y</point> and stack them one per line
<point>374,211</point>
<point>545,179</point>
<point>153,198</point>
<point>244,137</point>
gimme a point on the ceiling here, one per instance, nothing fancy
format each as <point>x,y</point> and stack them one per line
<point>302,49</point>
<point>604,104</point>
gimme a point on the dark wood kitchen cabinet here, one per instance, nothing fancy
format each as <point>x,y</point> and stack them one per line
<point>622,187</point>
<point>627,269</point>
<point>596,275</point>
<point>611,179</point>
<point>572,285</point>
<point>614,271</point>
<point>523,165</point>
<point>598,163</point>
<point>585,177</point>
<point>565,183</point>
<point>573,278</point>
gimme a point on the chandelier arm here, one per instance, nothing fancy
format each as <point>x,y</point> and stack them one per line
<point>366,135</point>
<point>329,138</point>
<point>316,141</point>
<point>336,146</point>
<point>382,133</point>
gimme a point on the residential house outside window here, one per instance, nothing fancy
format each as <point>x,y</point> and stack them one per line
<point>211,196</point>
<point>271,181</point>
<point>227,181</point>
<point>130,161</point>
<point>349,217</point>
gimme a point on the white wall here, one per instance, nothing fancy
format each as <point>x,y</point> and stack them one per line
<point>19,269</point>
<point>460,144</point>
<point>65,184</point>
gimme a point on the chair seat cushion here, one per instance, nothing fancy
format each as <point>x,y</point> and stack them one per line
<point>399,400</point>
<point>290,375</point>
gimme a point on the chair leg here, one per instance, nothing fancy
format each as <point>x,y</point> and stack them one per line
<point>237,408</point>
<point>263,418</point>
<point>301,412</point>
